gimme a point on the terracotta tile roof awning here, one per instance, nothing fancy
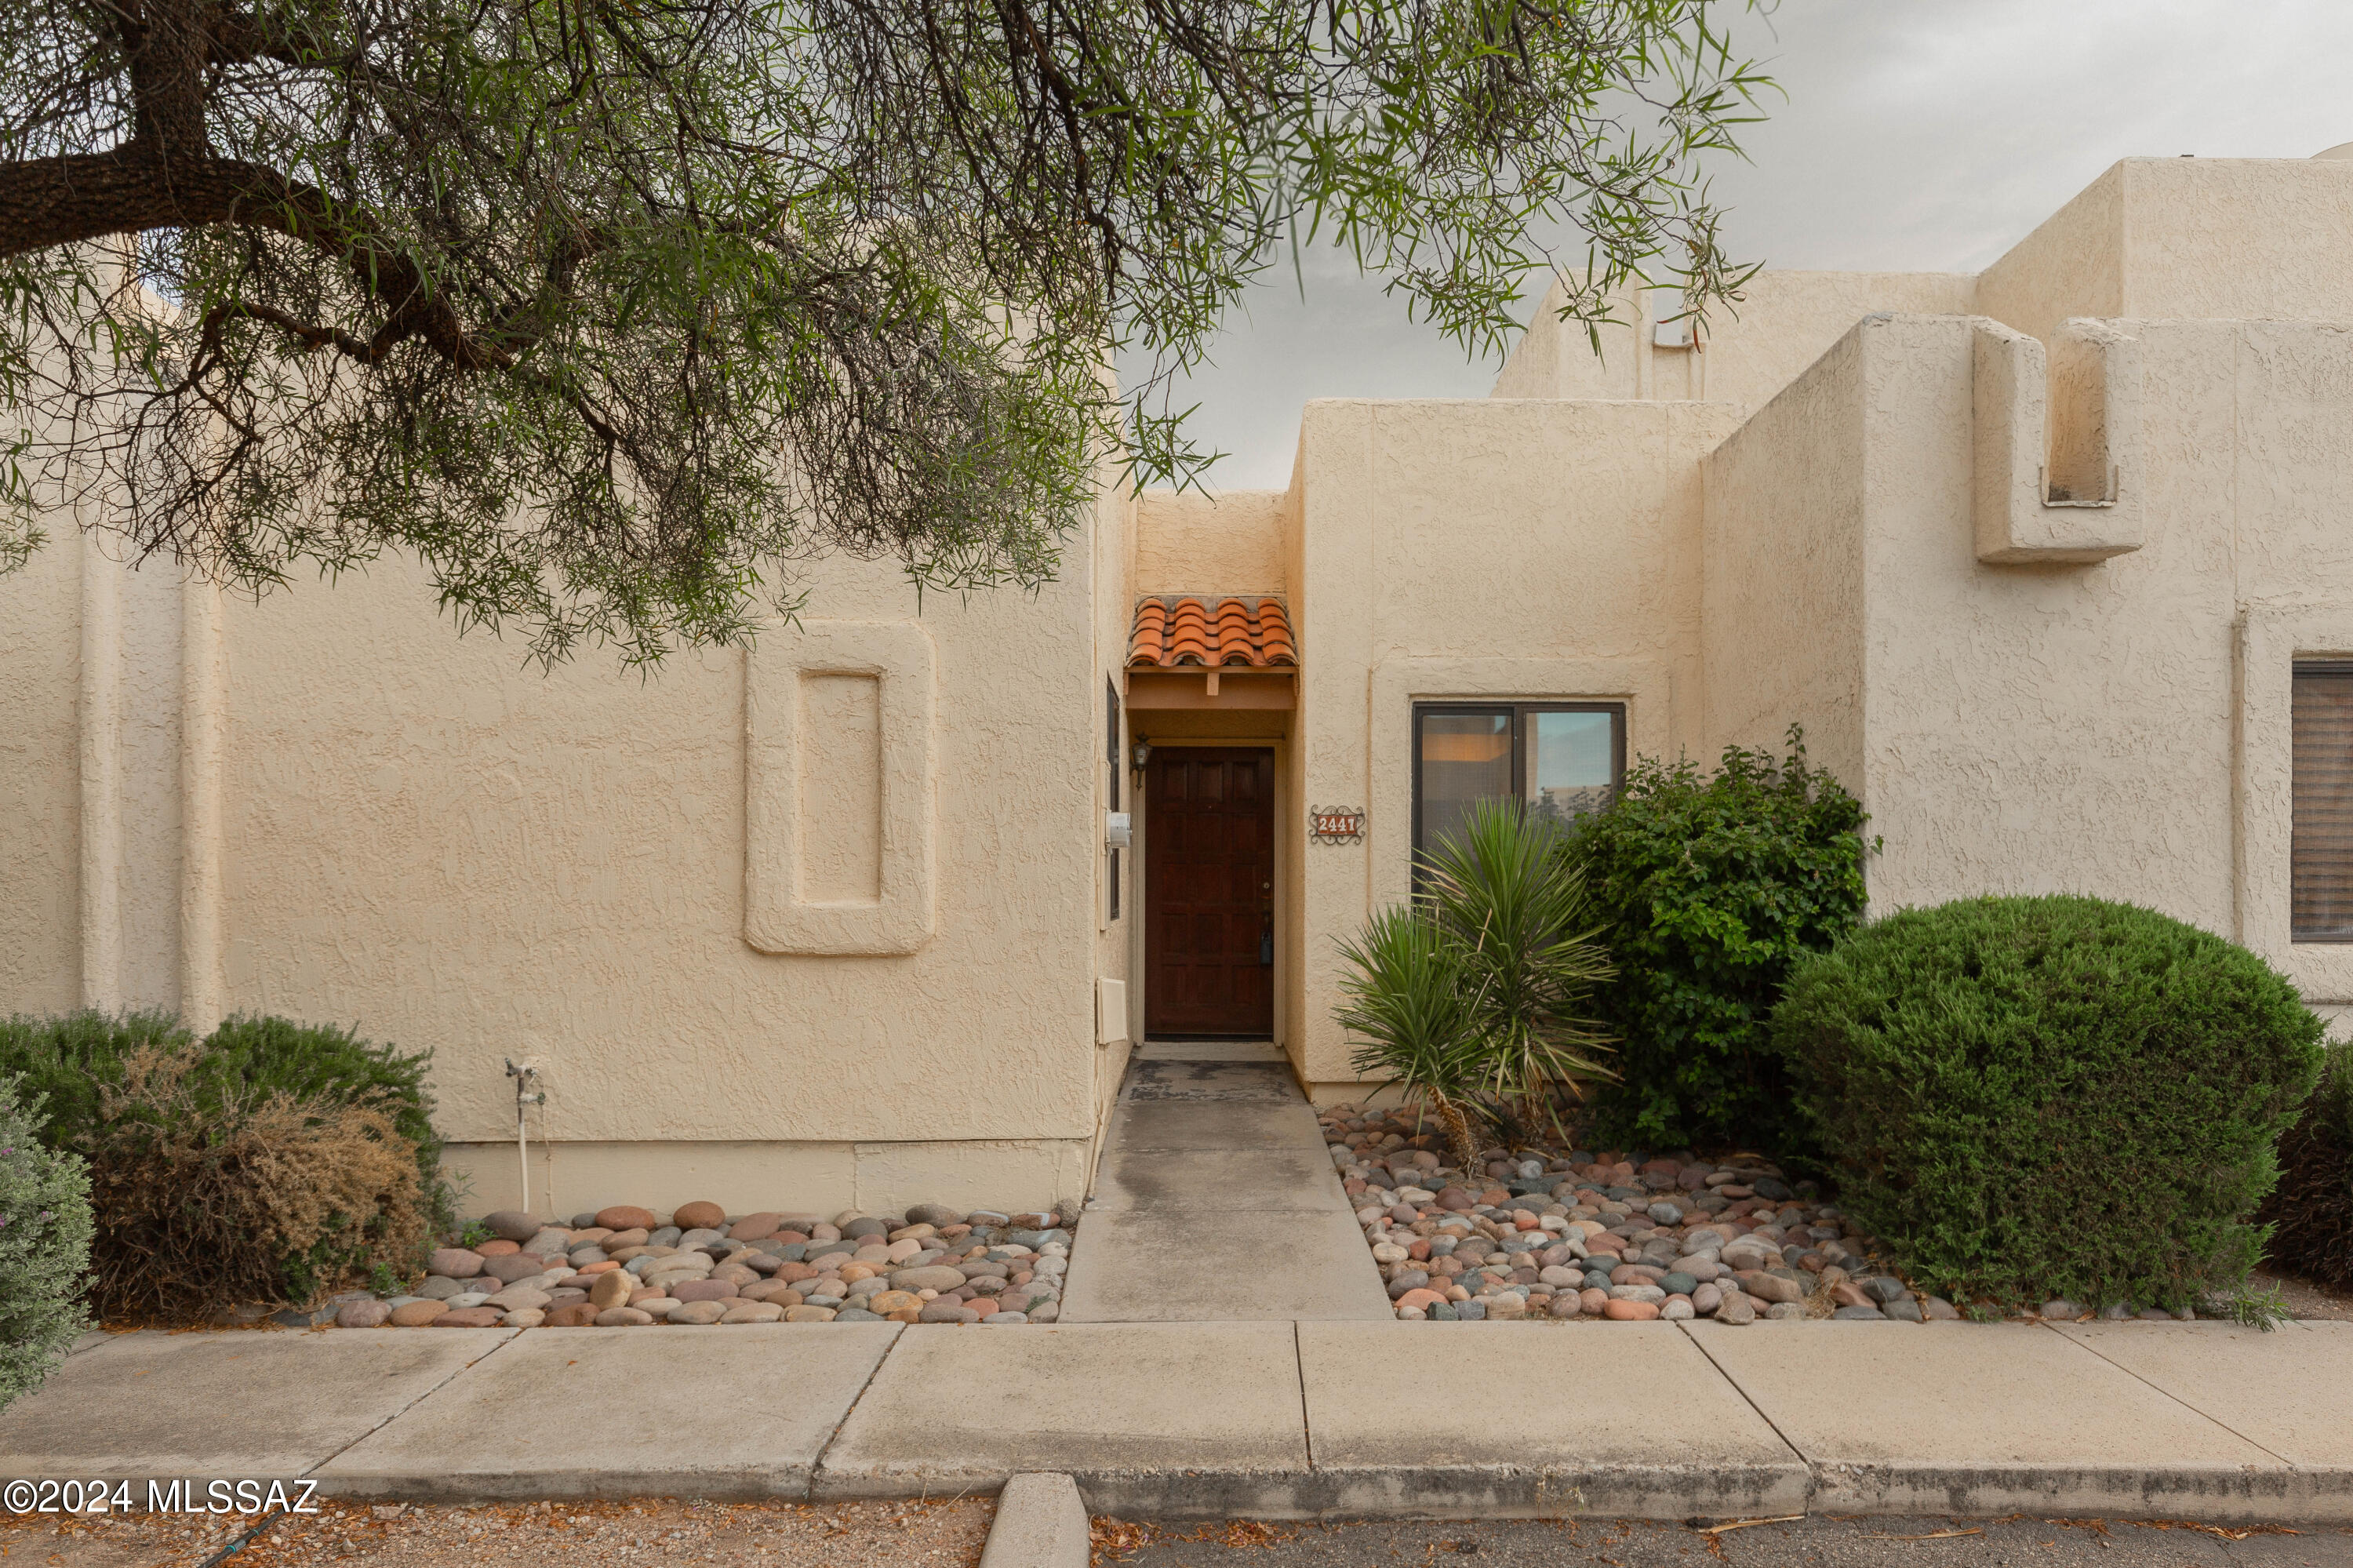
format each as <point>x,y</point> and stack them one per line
<point>1210,633</point>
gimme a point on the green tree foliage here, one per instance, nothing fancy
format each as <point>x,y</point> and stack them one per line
<point>614,314</point>
<point>1474,996</point>
<point>2054,1096</point>
<point>1708,887</point>
<point>45,1229</point>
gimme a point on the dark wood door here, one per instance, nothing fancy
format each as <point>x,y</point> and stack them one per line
<point>1208,877</point>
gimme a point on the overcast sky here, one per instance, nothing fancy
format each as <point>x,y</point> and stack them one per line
<point>1916,135</point>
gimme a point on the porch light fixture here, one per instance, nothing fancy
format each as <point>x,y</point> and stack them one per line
<point>1143,753</point>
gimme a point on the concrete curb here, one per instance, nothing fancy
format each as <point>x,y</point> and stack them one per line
<point>1040,1523</point>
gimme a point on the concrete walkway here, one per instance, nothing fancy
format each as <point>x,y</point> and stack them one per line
<point>1215,1201</point>
<point>2204,1421</point>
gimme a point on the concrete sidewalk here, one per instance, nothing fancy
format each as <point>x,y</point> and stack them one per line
<point>2207,1421</point>
<point>1213,1171</point>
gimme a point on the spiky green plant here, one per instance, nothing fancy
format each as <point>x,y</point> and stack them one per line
<point>1473,998</point>
<point>1517,910</point>
<point>1412,1005</point>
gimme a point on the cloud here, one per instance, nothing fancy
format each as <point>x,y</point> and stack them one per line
<point>1923,135</point>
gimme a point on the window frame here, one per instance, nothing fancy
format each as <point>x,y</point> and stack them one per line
<point>1112,748</point>
<point>2326,669</point>
<point>1518,713</point>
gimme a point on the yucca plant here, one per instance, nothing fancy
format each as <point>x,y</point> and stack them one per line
<point>1411,1004</point>
<point>1514,902</point>
<point>1472,997</point>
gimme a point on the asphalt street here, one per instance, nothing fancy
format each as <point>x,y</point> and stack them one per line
<point>1813,1543</point>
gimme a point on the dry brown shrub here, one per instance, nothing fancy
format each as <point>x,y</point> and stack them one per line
<point>204,1195</point>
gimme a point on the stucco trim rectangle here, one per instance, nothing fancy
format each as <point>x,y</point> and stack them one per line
<point>1397,683</point>
<point>776,919</point>
<point>2269,642</point>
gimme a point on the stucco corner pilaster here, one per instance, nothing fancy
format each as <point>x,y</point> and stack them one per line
<point>778,918</point>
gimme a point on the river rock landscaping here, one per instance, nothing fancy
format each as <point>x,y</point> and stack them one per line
<point>1576,1235</point>
<point>627,1266</point>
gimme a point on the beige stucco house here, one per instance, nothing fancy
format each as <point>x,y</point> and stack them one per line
<point>2055,563</point>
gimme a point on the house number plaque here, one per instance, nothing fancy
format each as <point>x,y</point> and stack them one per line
<point>1335,824</point>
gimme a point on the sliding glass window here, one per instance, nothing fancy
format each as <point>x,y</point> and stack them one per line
<point>1559,759</point>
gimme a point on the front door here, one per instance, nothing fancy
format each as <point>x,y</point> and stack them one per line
<point>1208,877</point>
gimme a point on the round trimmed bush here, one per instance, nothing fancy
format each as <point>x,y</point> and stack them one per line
<point>45,1227</point>
<point>2054,1097</point>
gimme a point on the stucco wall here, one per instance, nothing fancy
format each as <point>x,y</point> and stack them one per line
<point>1225,543</point>
<point>1118,1001</point>
<point>1562,359</point>
<point>421,837</point>
<point>2071,265</point>
<point>40,790</point>
<point>90,710</point>
<point>1782,615</point>
<point>2115,728</point>
<point>2039,728</point>
<point>1746,353</point>
<point>453,852</point>
<point>2258,239</point>
<point>2192,238</point>
<point>1789,319</point>
<point>1497,548</point>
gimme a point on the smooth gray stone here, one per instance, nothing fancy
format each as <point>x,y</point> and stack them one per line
<point>549,1243</point>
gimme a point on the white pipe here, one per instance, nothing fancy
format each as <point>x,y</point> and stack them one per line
<point>523,1147</point>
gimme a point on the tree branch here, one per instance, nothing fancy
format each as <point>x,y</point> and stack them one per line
<point>72,199</point>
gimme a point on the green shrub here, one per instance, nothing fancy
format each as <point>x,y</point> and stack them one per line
<point>1708,887</point>
<point>2311,1211</point>
<point>45,1228</point>
<point>2056,1096</point>
<point>186,1096</point>
<point>67,1061</point>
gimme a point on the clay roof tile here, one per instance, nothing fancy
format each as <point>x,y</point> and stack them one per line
<point>1188,630</point>
<point>1274,633</point>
